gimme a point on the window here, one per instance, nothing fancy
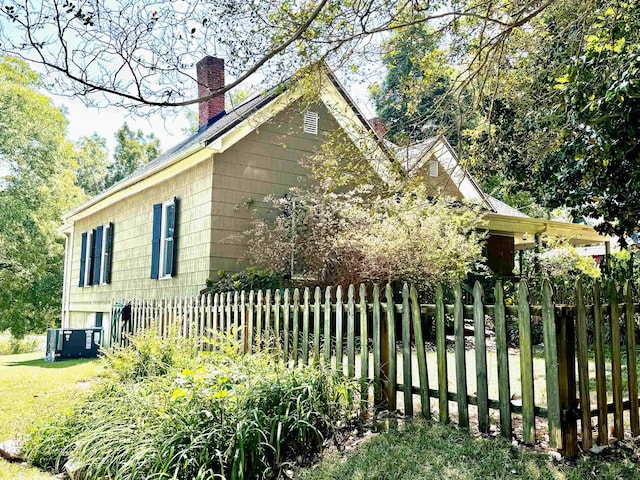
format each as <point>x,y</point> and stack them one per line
<point>311,123</point>
<point>163,241</point>
<point>433,169</point>
<point>95,256</point>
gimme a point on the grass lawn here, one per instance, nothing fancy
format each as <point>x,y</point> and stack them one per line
<point>31,388</point>
<point>434,451</point>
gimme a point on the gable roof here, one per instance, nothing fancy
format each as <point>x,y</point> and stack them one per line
<point>413,157</point>
<point>234,125</point>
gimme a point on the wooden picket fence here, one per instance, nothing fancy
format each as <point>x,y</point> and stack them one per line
<point>370,337</point>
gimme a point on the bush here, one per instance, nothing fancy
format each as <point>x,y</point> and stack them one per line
<point>248,279</point>
<point>189,415</point>
<point>10,345</point>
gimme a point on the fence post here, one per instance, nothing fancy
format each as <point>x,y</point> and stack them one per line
<point>565,338</point>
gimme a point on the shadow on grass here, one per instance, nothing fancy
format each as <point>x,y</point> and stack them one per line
<point>40,363</point>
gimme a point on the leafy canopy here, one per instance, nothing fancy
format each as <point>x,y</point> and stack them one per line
<point>38,187</point>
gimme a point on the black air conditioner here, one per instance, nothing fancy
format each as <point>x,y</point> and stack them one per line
<point>73,343</point>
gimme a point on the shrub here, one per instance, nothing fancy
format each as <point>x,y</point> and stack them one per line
<point>10,345</point>
<point>248,279</point>
<point>215,414</point>
<point>352,237</point>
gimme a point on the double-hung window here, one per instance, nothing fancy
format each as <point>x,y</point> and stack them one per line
<point>95,256</point>
<point>164,239</point>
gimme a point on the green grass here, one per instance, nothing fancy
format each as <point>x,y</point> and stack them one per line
<point>433,451</point>
<point>31,388</point>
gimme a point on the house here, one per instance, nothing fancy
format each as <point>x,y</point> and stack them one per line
<point>158,233</point>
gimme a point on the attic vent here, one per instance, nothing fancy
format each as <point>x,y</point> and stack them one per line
<point>311,123</point>
<point>433,169</point>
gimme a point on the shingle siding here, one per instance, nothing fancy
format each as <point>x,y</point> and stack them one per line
<point>132,219</point>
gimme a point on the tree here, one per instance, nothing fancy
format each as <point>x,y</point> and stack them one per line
<point>133,149</point>
<point>417,97</point>
<point>91,157</point>
<point>596,172</point>
<point>38,187</point>
<point>143,51</point>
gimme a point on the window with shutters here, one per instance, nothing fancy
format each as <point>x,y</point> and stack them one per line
<point>311,123</point>
<point>95,256</point>
<point>163,248</point>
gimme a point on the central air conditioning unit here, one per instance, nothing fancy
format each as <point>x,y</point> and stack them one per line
<point>73,343</point>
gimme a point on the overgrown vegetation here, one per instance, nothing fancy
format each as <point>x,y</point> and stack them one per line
<point>164,410</point>
<point>10,345</point>
<point>250,278</point>
<point>326,238</point>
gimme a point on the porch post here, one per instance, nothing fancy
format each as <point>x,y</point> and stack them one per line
<point>536,249</point>
<point>607,256</point>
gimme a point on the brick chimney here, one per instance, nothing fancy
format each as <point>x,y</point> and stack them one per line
<point>210,75</point>
<point>379,126</point>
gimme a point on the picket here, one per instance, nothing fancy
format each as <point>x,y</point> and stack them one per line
<point>326,348</point>
<point>305,327</point>
<point>339,307</point>
<point>420,353</point>
<point>616,363</point>
<point>351,332</point>
<point>583,366</point>
<point>441,348</point>
<point>296,326</point>
<point>502,352</point>
<point>632,369</point>
<point>406,352</point>
<point>601,379</point>
<point>286,326</point>
<point>481,358</point>
<point>268,331</point>
<point>317,298</point>
<point>364,351</point>
<point>551,366</point>
<point>526,364</point>
<point>276,323</point>
<point>392,376</point>
<point>377,348</point>
<point>461,367</point>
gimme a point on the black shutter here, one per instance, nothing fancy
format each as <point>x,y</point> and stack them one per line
<point>174,243</point>
<point>155,240</point>
<point>83,258</point>
<point>97,254</point>
<point>90,254</point>
<point>108,249</point>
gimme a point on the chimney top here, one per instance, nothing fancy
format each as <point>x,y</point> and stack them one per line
<point>210,76</point>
